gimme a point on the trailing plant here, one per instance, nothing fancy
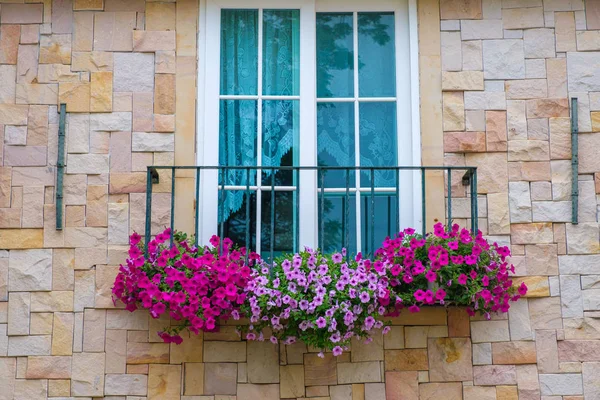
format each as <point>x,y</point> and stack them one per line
<point>449,266</point>
<point>195,286</point>
<point>323,300</point>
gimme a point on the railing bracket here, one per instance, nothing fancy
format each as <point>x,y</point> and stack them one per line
<point>155,176</point>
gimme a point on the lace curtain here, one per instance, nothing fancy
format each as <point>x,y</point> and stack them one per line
<point>238,125</point>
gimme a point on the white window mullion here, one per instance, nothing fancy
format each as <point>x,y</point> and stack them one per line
<point>356,133</point>
<point>259,123</point>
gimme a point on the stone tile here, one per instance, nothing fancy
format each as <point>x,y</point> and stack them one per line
<point>158,142</point>
<point>292,381</point>
<point>496,130</point>
<point>164,380</point>
<point>8,74</point>
<point>165,62</point>
<point>30,270</point>
<point>23,156</point>
<point>88,374</point>
<point>432,391</point>
<point>116,351</point>
<point>88,61</point>
<point>164,94</point>
<point>393,340</point>
<point>133,72</point>
<point>116,121</point>
<point>220,378</point>
<point>13,114</point>
<point>94,326</point>
<point>545,313</point>
<point>164,123</point>
<point>126,384</point>
<point>9,43</point>
<point>143,106</point>
<point>55,49</point>
<point>224,352</point>
<point>406,360</point>
<point>492,170</point>
<point>526,89</point>
<point>62,334</point>
<point>561,384</point>
<point>472,55</point>
<point>487,100</point>
<point>449,359</point>
<point>583,238</point>
<point>76,95</point>
<point>31,389</point>
<point>479,393</point>
<point>101,91</point>
<point>514,353</point>
<point>489,331</point>
<point>521,18</point>
<point>470,9</point>
<point>160,17</point>
<point>34,93</point>
<point>104,283</point>
<point>21,238</point>
<point>87,164</point>
<point>147,353</point>
<point>492,375</point>
<point>535,68</point>
<point>503,59</point>
<point>372,351</point>
<point>48,367</point>
<point>113,31</point>
<point>83,31</point>
<point>481,29</point>
<point>482,353</point>
<point>453,111</point>
<point>451,52</point>
<point>22,13</point>
<point>18,313</point>
<point>152,41</point>
<point>359,372</point>
<point>189,351</point>
<point>29,345</point>
<point>320,371</point>
<point>78,133</point>
<point>464,142</point>
<point>194,379</point>
<point>588,163</point>
<point>250,392</point>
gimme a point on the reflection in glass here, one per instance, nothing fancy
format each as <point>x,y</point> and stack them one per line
<point>239,52</point>
<point>376,55</point>
<point>378,142</point>
<point>335,55</point>
<point>285,226</point>
<point>281,132</point>
<point>281,52</point>
<point>335,141</point>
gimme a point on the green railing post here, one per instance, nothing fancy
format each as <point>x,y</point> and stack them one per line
<point>574,162</point>
<point>148,230</point>
<point>60,166</point>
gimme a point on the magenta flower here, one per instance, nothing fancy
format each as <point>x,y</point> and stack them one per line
<point>462,279</point>
<point>337,351</point>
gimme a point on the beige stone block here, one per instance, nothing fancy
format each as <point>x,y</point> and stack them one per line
<point>97,206</point>
<point>514,353</point>
<point>560,138</point>
<point>55,49</point>
<point>164,94</point>
<point>10,217</point>
<point>506,393</point>
<point>28,346</point>
<point>27,63</point>
<point>113,31</point>
<point>490,375</point>
<point>126,384</point>
<point>394,340</point>
<point>31,389</point>
<point>464,142</point>
<point>21,238</point>
<point>323,391</point>
<point>164,381</point>
<point>492,171</point>
<point>76,95</point>
<point>165,62</point>
<point>320,371</point>
<point>224,352</point>
<point>89,61</point>
<point>545,313</point>
<point>189,351</point>
<point>160,16</point>
<point>116,351</point>
<point>263,362</point>
<point>406,360</point>
<point>22,13</point>
<point>372,351</point>
<point>489,331</point>
<point>496,130</point>
<point>151,41</point>
<point>564,23</point>
<point>220,378</point>
<point>41,323</point>
<point>449,359</point>
<point>524,89</point>
<point>134,182</point>
<point>143,104</point>
<point>88,374</point>
<point>522,18</point>
<point>19,306</point>
<point>547,108</point>
<point>121,319</point>
<point>105,277</point>
<point>55,301</point>
<point>427,316</point>
<point>401,385</point>
<point>101,91</point>
<point>86,5</point>
<point>9,43</point>
<point>462,9</point>
<point>433,391</point>
<point>537,286</point>
<point>531,233</point>
<point>359,372</point>
<point>37,93</point>
<point>75,216</point>
<point>194,379</point>
<point>147,353</point>
<point>59,387</point>
<point>62,334</point>
<point>122,102</point>
<point>557,77</point>
<point>292,381</point>
<point>94,327</point>
<point>164,123</point>
<point>460,81</point>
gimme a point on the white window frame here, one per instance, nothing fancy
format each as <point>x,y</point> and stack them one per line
<point>407,104</point>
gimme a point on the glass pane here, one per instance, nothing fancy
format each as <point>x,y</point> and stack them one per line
<point>378,146</point>
<point>335,141</point>
<point>335,55</point>
<point>376,55</point>
<point>385,216</point>
<point>237,147</point>
<point>239,52</point>
<point>339,217</point>
<point>234,226</point>
<point>281,52</point>
<point>284,229</point>
<point>280,136</point>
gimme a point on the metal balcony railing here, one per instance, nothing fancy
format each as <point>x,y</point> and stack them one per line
<point>266,208</point>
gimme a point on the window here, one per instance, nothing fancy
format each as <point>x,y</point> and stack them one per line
<point>307,83</point>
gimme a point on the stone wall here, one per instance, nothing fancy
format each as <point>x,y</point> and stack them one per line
<point>496,76</point>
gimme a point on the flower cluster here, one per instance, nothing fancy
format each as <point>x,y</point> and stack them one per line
<point>192,285</point>
<point>448,267</point>
<point>319,299</point>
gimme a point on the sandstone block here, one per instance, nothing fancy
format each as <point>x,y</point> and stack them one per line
<point>87,164</point>
<point>583,238</point>
<point>320,371</point>
<point>359,372</point>
<point>37,93</point>
<point>479,393</point>
<point>482,353</point>
<point>18,313</point>
<point>121,319</point>
<point>88,61</point>
<point>22,13</point>
<point>588,163</point>
<point>481,29</point>
<point>101,91</point>
<point>21,238</point>
<point>498,214</point>
<point>151,41</point>
<point>83,31</point>
<point>460,81</point>
<point>572,301</point>
<point>164,380</point>
<point>292,381</point>
<point>88,374</point>
<point>561,384</point>
<point>503,59</point>
<point>583,71</point>
<point>164,123</point>
<point>487,100</point>
<point>489,331</point>
<point>48,367</point>
<point>55,49</point>
<point>30,270</point>
<point>29,345</point>
<point>521,18</point>
<point>496,130</point>
<point>432,391</point>
<point>147,353</point>
<point>142,141</point>
<point>62,334</point>
<point>248,392</point>
<point>164,94</point>
<point>76,95</point>
<point>514,353</point>
<point>492,375</point>
<point>9,43</point>
<point>464,142</point>
<point>472,55</point>
<point>126,384</point>
<point>133,72</point>
<point>526,89</point>
<point>220,378</point>
<point>539,43</point>
<point>465,9</point>
<point>492,171</point>
<point>545,313</point>
<point>54,301</point>
<point>449,359</point>
<point>113,31</point>
<point>224,352</point>
<point>406,360</point>
<point>27,63</point>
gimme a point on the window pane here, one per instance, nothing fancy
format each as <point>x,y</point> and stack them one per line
<point>378,142</point>
<point>239,52</point>
<point>384,216</point>
<point>281,52</point>
<point>284,228</point>
<point>280,136</point>
<point>335,55</point>
<point>339,216</point>
<point>335,141</point>
<point>234,226</point>
<point>376,55</point>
